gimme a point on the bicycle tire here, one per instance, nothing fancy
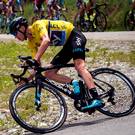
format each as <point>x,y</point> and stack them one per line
<point>84,27</point>
<point>100,21</point>
<point>127,22</point>
<point>32,122</point>
<point>124,92</point>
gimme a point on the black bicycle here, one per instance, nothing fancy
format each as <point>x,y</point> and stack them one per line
<point>92,22</point>
<point>38,106</point>
<point>129,20</point>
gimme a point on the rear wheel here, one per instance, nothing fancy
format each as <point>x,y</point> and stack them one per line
<point>129,20</point>
<point>49,117</point>
<point>100,22</point>
<point>120,100</point>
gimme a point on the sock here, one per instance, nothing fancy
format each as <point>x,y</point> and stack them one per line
<point>76,87</point>
<point>94,93</point>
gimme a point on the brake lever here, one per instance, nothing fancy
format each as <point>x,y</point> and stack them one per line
<point>15,78</point>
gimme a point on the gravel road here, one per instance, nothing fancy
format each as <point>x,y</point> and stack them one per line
<point>124,35</point>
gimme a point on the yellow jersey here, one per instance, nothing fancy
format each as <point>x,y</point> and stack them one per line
<point>58,32</point>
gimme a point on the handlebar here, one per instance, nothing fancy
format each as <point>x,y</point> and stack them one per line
<point>29,64</point>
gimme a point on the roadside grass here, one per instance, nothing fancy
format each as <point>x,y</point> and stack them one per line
<point>107,55</point>
<point>9,64</point>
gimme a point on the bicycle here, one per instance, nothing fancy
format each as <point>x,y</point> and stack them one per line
<point>97,23</point>
<point>39,106</point>
<point>129,20</point>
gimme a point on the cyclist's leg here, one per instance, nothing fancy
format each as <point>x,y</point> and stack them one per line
<point>50,11</point>
<point>20,6</point>
<point>42,10</point>
<point>62,57</point>
<point>78,42</point>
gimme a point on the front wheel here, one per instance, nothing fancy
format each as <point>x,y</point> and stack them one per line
<point>120,99</point>
<point>49,117</point>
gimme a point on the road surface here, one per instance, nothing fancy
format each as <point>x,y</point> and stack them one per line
<point>124,35</point>
<point>101,125</point>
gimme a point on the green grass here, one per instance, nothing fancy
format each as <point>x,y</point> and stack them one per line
<point>9,62</point>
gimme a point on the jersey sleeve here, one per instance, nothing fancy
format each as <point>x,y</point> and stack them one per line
<point>40,29</point>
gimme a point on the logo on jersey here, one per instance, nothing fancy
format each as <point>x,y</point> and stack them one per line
<point>58,38</point>
<point>78,41</point>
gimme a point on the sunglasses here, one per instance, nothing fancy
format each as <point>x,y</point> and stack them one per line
<point>15,33</point>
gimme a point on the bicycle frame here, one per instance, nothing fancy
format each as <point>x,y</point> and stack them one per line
<point>43,82</point>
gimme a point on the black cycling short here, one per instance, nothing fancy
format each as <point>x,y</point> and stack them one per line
<point>74,48</point>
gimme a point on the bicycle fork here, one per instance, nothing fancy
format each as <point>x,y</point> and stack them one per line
<point>38,96</point>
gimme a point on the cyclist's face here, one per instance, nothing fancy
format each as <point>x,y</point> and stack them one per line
<point>20,34</point>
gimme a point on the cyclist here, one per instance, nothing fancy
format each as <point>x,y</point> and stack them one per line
<point>84,6</point>
<point>39,8</point>
<point>3,7</point>
<point>14,4</point>
<point>132,5</point>
<point>52,6</point>
<point>44,33</point>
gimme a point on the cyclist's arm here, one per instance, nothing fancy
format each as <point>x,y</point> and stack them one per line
<point>43,46</point>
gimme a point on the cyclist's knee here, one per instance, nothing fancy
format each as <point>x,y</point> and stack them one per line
<point>80,66</point>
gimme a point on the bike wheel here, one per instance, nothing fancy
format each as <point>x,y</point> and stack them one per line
<point>129,22</point>
<point>52,113</point>
<point>123,95</point>
<point>100,21</point>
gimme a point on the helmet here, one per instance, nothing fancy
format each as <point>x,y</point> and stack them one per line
<point>17,23</point>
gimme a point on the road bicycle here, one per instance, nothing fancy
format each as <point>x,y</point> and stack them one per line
<point>92,22</point>
<point>129,20</point>
<point>39,105</point>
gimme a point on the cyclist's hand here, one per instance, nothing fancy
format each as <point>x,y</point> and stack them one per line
<point>32,63</point>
